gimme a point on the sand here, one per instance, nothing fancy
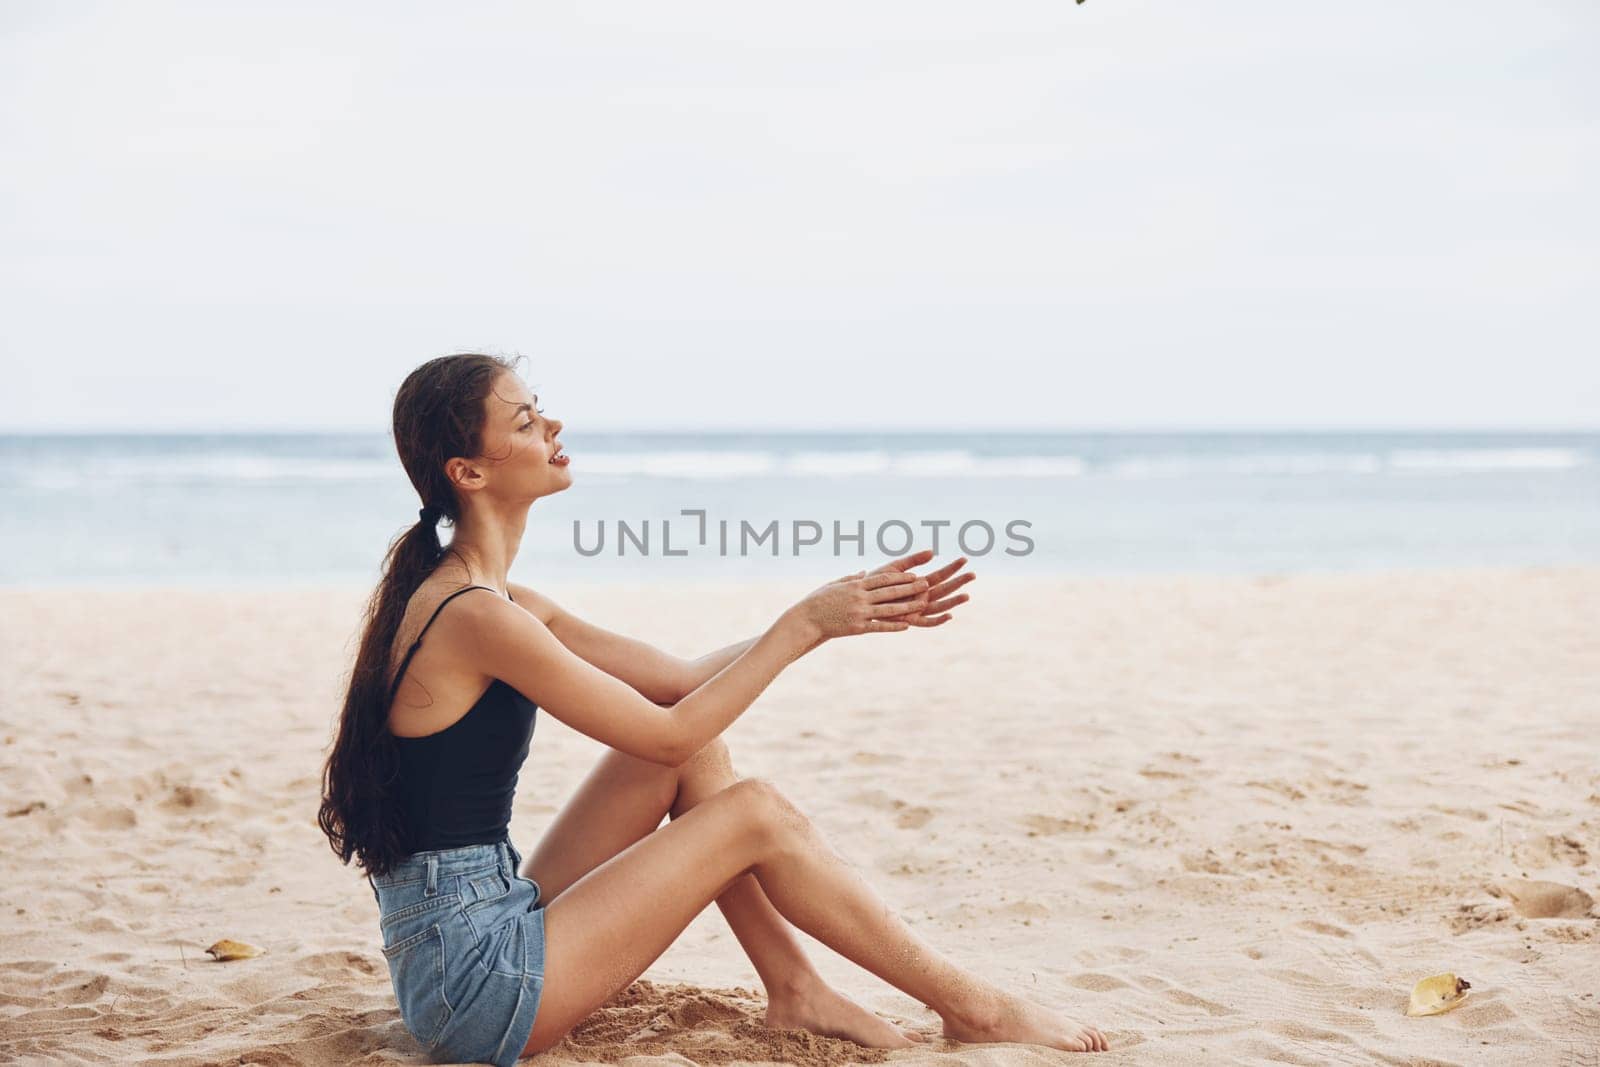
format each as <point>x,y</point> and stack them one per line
<point>1224,819</point>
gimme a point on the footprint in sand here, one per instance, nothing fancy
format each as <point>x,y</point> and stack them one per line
<point>187,798</point>
<point>1327,929</point>
<point>1051,824</point>
<point>907,816</point>
<point>1210,1007</point>
<point>1343,791</point>
<point>72,986</point>
<point>110,957</point>
<point>875,759</point>
<point>102,924</point>
<point>1547,900</point>
<point>1098,956</point>
<point>29,967</point>
<point>336,964</point>
<point>1564,849</point>
<point>1026,910</point>
<point>1177,766</point>
<point>113,817</point>
<point>913,818</point>
<point>1096,982</point>
<point>1476,916</point>
<point>1282,788</point>
<point>1522,807</point>
<point>1460,813</point>
<point>1203,863</point>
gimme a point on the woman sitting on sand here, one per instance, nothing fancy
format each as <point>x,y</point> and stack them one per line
<point>490,963</point>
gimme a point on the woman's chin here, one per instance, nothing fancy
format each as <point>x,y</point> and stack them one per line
<point>557,485</point>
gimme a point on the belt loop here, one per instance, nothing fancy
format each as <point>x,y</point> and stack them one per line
<point>505,857</point>
<point>433,876</point>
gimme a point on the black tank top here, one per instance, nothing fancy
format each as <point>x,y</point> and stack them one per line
<point>456,785</point>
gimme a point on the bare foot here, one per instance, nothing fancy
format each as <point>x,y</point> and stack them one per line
<point>831,1014</point>
<point>1011,1018</point>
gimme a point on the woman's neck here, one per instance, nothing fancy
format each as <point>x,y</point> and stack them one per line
<point>486,545</point>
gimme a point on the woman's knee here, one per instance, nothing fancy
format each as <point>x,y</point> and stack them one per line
<point>712,756</point>
<point>769,811</point>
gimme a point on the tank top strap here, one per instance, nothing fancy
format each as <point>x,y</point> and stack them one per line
<point>406,661</point>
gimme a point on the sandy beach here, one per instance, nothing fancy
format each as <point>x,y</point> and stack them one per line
<point>1225,819</point>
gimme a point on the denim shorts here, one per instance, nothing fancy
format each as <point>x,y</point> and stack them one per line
<point>464,937</point>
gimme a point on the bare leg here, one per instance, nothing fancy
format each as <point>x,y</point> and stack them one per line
<point>617,919</point>
<point>797,995</point>
<point>622,800</point>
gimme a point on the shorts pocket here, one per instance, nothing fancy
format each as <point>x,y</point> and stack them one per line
<point>416,968</point>
<point>399,914</point>
<point>490,885</point>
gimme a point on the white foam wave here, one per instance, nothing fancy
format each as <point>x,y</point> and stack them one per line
<point>946,463</point>
<point>676,464</point>
<point>248,469</point>
<point>1179,466</point>
<point>837,463</point>
<point>131,471</point>
<point>1485,459</point>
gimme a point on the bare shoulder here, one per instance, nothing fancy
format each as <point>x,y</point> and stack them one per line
<point>535,603</point>
<point>517,643</point>
<point>428,603</point>
<point>490,633</point>
<point>433,640</point>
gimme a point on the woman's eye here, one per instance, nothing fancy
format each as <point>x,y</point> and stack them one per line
<point>526,426</point>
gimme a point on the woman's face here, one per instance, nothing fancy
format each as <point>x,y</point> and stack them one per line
<point>527,459</point>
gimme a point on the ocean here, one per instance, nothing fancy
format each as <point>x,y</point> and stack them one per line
<point>274,509</point>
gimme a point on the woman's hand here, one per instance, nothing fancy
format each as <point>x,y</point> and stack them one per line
<point>940,586</point>
<point>863,603</point>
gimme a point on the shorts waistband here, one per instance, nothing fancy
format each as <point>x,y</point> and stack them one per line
<point>431,863</point>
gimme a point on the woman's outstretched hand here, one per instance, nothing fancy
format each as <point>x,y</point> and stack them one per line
<point>863,603</point>
<point>941,583</point>
<point>909,599</point>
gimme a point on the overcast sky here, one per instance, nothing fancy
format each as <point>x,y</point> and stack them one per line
<point>1259,214</point>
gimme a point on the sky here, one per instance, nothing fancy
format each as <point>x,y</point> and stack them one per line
<point>699,216</point>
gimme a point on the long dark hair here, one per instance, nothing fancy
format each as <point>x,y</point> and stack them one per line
<point>438,414</point>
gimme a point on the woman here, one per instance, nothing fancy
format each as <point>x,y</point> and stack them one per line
<point>489,962</point>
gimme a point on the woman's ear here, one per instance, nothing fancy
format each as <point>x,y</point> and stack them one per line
<point>464,474</point>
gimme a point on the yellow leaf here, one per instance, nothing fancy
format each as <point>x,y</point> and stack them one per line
<point>1437,994</point>
<point>234,950</point>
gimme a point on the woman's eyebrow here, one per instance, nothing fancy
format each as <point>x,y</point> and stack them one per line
<point>525,407</point>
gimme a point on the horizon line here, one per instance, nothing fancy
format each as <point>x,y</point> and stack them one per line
<point>1129,430</point>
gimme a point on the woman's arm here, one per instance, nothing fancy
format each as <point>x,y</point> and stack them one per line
<point>695,672</point>
<point>660,676</point>
<point>698,672</point>
<point>666,679</point>
<point>514,646</point>
<point>510,643</point>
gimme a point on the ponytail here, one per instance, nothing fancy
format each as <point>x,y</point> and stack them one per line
<point>438,414</point>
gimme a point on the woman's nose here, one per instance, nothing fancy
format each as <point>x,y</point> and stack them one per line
<point>559,425</point>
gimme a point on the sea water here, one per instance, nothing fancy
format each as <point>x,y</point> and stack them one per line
<point>311,508</point>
